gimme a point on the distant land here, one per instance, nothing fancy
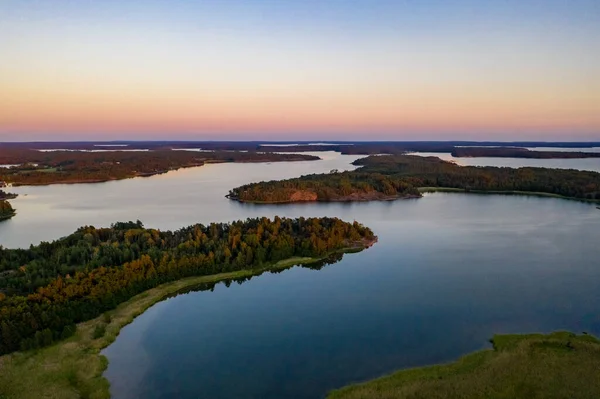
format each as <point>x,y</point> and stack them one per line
<point>517,152</point>
<point>79,165</point>
<point>35,163</point>
<point>406,176</point>
<point>345,147</point>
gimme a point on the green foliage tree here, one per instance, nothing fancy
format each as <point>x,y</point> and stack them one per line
<point>50,287</point>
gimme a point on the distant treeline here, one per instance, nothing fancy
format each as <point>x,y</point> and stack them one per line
<point>511,152</point>
<point>37,167</point>
<point>346,147</point>
<point>50,287</point>
<point>402,175</point>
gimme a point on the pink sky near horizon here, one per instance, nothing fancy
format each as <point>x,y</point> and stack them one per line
<point>82,73</point>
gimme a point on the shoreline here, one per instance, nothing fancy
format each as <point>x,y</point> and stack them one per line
<point>74,367</point>
<point>496,192</point>
<point>518,366</point>
<point>423,190</point>
<point>385,198</point>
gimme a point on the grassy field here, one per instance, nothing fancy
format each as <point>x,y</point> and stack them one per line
<point>73,368</point>
<point>559,365</point>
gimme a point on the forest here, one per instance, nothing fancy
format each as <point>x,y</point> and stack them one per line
<point>46,289</point>
<point>75,166</point>
<point>401,176</point>
<point>334,186</point>
<point>517,152</point>
<point>6,210</point>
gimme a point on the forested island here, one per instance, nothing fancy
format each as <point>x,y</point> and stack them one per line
<point>558,365</point>
<point>34,167</point>
<point>517,152</point>
<point>406,176</point>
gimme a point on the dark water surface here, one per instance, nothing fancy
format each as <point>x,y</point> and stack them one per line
<point>448,272</point>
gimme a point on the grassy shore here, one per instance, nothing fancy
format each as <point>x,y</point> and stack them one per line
<point>530,193</point>
<point>558,365</point>
<point>73,368</point>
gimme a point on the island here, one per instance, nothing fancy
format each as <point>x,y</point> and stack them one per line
<point>40,167</point>
<point>388,177</point>
<point>62,301</point>
<point>517,152</point>
<point>7,196</point>
<point>6,210</point>
<point>557,365</point>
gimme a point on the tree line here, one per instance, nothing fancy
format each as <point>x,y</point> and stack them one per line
<point>48,288</point>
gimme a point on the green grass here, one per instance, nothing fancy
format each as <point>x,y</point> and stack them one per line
<point>558,365</point>
<point>530,193</point>
<point>73,368</point>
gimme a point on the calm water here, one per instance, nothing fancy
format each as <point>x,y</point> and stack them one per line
<point>168,201</point>
<point>592,164</point>
<point>448,272</point>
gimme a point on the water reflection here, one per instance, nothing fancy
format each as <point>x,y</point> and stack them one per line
<point>210,286</point>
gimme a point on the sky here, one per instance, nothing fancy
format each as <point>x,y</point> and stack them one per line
<point>305,69</point>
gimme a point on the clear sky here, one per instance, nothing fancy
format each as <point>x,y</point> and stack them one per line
<point>310,69</point>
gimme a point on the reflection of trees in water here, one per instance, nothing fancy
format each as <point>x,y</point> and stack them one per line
<point>329,260</point>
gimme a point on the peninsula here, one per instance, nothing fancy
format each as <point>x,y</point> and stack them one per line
<point>39,167</point>
<point>46,289</point>
<point>406,176</point>
<point>58,299</point>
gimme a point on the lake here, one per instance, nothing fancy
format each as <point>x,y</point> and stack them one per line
<point>448,272</point>
<point>168,201</point>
